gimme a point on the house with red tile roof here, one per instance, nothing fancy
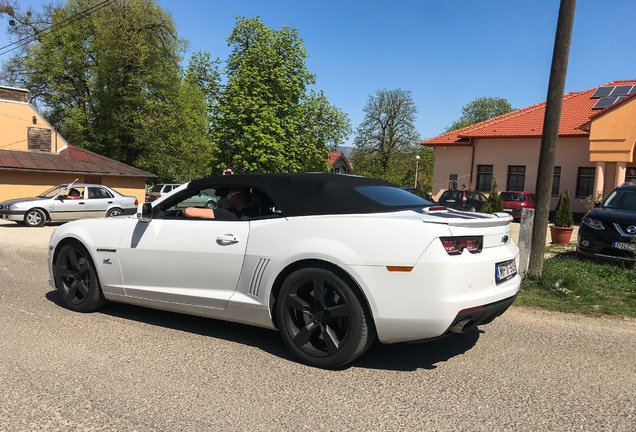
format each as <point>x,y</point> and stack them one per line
<point>594,154</point>
<point>338,163</point>
<point>34,157</point>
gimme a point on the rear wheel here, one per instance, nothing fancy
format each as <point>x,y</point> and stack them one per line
<point>34,218</point>
<point>114,212</point>
<point>76,279</point>
<point>472,209</point>
<point>321,319</point>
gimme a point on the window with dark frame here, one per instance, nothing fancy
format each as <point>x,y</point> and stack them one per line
<point>630,175</point>
<point>556,181</point>
<point>484,177</point>
<point>585,182</point>
<point>516,178</point>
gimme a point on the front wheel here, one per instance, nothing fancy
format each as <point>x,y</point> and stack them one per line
<point>76,279</point>
<point>322,319</point>
<point>34,218</point>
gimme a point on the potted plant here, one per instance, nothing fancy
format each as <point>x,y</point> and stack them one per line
<point>561,231</point>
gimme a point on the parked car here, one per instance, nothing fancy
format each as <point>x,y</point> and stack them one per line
<point>67,202</point>
<point>427,196</point>
<point>159,190</point>
<point>332,261</point>
<point>514,202</point>
<point>608,232</point>
<point>466,200</point>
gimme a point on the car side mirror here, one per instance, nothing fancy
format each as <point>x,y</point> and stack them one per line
<point>597,204</point>
<point>144,213</point>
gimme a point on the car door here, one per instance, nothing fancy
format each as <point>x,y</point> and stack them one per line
<point>99,200</point>
<point>185,261</point>
<point>66,207</point>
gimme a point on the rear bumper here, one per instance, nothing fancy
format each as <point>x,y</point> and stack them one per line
<point>481,315</point>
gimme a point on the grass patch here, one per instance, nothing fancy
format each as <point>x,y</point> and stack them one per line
<point>572,285</point>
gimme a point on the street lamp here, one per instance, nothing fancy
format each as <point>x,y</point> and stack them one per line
<point>417,164</point>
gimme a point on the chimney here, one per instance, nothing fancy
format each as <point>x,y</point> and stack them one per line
<point>14,94</point>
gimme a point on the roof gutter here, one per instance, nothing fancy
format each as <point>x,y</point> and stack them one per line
<point>472,163</point>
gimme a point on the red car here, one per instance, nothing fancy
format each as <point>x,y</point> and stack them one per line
<point>513,202</point>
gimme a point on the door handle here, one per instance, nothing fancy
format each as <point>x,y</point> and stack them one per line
<point>227,239</point>
<point>82,203</point>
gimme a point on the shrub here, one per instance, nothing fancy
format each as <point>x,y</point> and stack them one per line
<point>563,215</point>
<point>493,203</point>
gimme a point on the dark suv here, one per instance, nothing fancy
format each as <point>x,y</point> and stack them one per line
<point>609,231</point>
<point>463,200</point>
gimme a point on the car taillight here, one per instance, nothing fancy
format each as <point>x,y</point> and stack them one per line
<point>464,197</point>
<point>136,201</point>
<point>455,245</point>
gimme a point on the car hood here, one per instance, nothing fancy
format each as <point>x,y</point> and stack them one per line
<point>21,200</point>
<point>613,215</point>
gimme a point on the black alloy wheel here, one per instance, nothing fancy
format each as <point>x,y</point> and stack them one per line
<point>76,279</point>
<point>322,320</point>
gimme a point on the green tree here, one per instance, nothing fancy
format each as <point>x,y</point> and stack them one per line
<point>493,203</point>
<point>479,110</point>
<point>386,141</point>
<point>110,80</point>
<point>267,118</point>
<point>563,215</point>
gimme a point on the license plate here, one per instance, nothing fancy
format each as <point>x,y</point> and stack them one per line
<point>624,246</point>
<point>505,270</point>
<point>508,210</point>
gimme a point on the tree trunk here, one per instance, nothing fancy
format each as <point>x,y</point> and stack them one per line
<point>550,135</point>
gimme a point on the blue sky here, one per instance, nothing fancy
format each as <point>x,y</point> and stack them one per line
<point>447,53</point>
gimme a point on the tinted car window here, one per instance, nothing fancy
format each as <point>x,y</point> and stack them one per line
<point>156,188</point>
<point>391,196</point>
<point>452,194</point>
<point>621,200</point>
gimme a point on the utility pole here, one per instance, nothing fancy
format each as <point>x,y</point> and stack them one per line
<point>551,121</point>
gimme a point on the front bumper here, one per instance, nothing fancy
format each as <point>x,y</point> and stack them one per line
<point>599,245</point>
<point>12,215</point>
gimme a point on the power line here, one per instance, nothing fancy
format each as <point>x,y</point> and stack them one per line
<point>54,27</point>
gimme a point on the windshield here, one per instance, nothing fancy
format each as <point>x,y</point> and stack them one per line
<point>621,200</point>
<point>392,196</point>
<point>50,193</point>
<point>511,196</point>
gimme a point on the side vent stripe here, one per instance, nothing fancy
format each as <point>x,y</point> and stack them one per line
<point>255,283</point>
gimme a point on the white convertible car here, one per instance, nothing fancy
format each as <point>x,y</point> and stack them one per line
<point>331,261</point>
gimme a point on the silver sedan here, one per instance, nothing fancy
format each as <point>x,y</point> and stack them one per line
<point>67,202</point>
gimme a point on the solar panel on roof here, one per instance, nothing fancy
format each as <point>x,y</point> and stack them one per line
<point>602,92</point>
<point>633,90</point>
<point>621,90</point>
<point>604,102</point>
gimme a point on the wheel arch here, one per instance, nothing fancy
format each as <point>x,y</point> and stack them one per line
<point>73,240</point>
<point>317,263</point>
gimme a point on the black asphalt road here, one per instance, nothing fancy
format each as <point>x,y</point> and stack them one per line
<point>132,369</point>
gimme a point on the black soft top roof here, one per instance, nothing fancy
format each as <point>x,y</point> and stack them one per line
<point>304,194</point>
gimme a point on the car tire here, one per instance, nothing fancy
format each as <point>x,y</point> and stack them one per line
<point>322,320</point>
<point>210,204</point>
<point>34,218</point>
<point>114,212</point>
<point>472,209</point>
<point>76,279</point>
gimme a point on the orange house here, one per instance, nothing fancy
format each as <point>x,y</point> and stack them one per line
<point>34,157</point>
<point>594,154</point>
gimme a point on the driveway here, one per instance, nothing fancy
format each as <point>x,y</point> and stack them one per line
<point>128,368</point>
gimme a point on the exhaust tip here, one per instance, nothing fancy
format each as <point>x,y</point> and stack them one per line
<point>462,326</point>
